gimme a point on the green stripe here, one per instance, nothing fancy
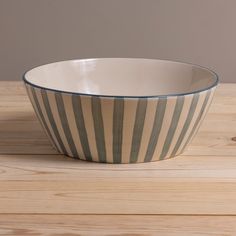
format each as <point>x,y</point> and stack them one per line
<point>159,116</point>
<point>138,129</point>
<point>40,113</point>
<point>79,119</point>
<point>174,122</point>
<point>64,123</point>
<point>118,116</point>
<point>204,106</point>
<point>52,121</point>
<point>99,128</point>
<point>186,124</point>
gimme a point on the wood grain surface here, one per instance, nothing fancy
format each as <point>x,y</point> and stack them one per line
<point>116,225</point>
<point>44,193</point>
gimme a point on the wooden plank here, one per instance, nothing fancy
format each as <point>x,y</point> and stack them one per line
<point>24,138</point>
<point>12,87</point>
<point>118,196</point>
<point>20,131</point>
<point>56,167</point>
<point>54,184</point>
<point>101,225</point>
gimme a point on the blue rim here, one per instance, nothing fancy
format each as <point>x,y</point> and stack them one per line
<point>216,77</point>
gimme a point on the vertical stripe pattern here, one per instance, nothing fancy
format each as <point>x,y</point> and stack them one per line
<point>99,128</point>
<point>147,127</point>
<point>167,121</point>
<point>52,121</point>
<point>186,124</point>
<point>118,116</point>
<point>79,119</point>
<point>65,124</point>
<point>38,111</point>
<point>138,129</point>
<point>67,100</point>
<point>119,130</point>
<point>159,115</point>
<point>51,98</point>
<point>199,118</point>
<point>174,122</point>
<point>107,106</point>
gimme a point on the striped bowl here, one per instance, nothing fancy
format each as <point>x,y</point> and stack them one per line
<point>120,110</point>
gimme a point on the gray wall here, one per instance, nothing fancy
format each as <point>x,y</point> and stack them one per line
<point>34,32</point>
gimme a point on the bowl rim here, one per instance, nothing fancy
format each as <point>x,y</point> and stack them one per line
<point>215,76</point>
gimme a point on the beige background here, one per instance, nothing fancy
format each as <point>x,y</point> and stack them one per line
<point>34,32</point>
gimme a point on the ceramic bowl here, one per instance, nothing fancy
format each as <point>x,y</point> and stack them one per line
<point>120,110</point>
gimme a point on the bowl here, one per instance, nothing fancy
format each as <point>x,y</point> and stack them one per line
<point>120,110</point>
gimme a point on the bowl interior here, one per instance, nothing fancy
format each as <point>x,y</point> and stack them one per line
<point>122,77</point>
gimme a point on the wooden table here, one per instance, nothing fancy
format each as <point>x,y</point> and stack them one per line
<point>43,193</point>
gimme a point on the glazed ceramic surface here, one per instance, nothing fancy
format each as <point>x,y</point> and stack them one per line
<point>120,110</point>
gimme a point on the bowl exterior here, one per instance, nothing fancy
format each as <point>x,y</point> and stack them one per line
<point>119,129</point>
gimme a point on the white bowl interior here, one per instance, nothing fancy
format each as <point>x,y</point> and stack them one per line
<point>122,77</point>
